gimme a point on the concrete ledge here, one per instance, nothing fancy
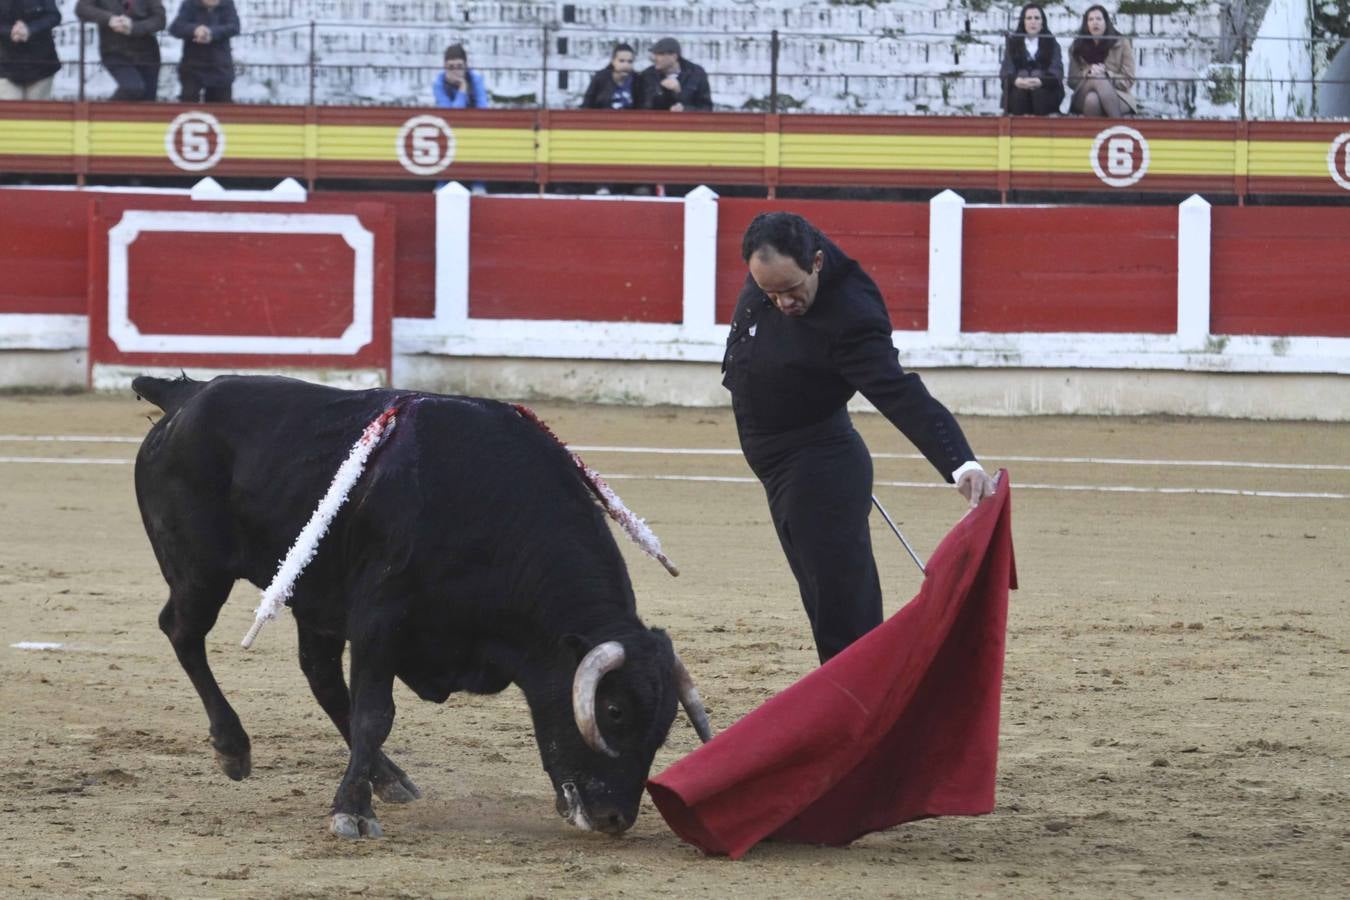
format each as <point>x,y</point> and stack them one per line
<point>43,369</point>
<point>994,392</point>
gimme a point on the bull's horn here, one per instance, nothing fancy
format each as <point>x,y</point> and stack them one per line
<point>691,701</point>
<point>603,658</point>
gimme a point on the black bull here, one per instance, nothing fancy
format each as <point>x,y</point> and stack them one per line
<point>470,555</point>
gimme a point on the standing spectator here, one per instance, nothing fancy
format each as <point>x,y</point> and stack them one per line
<point>1033,67</point>
<point>459,87</point>
<point>673,82</point>
<point>206,70</point>
<point>1101,68</point>
<point>127,43</point>
<point>615,86</point>
<point>28,62</point>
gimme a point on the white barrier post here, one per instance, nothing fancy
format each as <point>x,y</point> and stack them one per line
<point>1193,259</point>
<point>700,263</point>
<point>452,256</point>
<point>946,213</point>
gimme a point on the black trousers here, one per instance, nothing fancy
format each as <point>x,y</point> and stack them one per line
<point>135,81</point>
<point>820,496</point>
<point>195,91</point>
<point>1041,101</point>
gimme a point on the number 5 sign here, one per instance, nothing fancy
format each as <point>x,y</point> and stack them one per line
<point>425,145</point>
<point>195,141</point>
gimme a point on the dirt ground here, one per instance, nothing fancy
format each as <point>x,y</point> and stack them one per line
<point>1176,703</point>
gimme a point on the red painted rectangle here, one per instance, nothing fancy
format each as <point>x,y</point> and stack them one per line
<point>235,284</point>
<point>591,260</point>
<point>1103,269</point>
<point>415,246</point>
<point>44,245</point>
<point>889,240</point>
<point>1280,271</point>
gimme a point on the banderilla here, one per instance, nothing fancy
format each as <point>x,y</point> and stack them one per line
<point>885,515</point>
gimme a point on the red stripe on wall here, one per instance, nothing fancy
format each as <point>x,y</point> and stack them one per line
<point>587,260</point>
<point>1110,269</point>
<point>414,248</point>
<point>44,246</point>
<point>1280,271</point>
<point>890,240</point>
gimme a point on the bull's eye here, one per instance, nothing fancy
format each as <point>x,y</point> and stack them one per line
<point>615,714</point>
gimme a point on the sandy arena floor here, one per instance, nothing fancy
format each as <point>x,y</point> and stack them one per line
<point>1176,705</point>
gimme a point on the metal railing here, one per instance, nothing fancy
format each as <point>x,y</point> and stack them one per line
<point>319,63</point>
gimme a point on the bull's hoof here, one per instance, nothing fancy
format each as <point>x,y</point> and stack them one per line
<point>350,825</point>
<point>236,766</point>
<point>392,785</point>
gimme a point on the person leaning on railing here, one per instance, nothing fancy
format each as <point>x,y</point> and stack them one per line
<point>206,70</point>
<point>615,86</point>
<point>673,82</point>
<point>28,61</point>
<point>458,86</point>
<point>1033,67</point>
<point>1101,68</point>
<point>127,43</point>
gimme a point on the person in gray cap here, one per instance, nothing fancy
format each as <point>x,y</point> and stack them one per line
<point>673,82</point>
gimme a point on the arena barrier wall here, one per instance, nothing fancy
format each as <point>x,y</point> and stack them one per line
<point>568,146</point>
<point>462,282</point>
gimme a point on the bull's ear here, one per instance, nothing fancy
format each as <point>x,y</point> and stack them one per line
<point>577,645</point>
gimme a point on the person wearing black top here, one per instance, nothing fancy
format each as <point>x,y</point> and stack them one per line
<point>28,61</point>
<point>615,86</point>
<point>811,329</point>
<point>1033,67</point>
<point>673,82</point>
<point>206,71</point>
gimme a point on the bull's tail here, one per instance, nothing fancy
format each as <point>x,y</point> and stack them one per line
<point>167,393</point>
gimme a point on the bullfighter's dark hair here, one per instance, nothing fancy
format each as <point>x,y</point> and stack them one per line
<point>785,232</point>
<point>1045,20</point>
<point>456,51</point>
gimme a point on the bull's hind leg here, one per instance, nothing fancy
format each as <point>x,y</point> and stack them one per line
<point>186,619</point>
<point>321,661</point>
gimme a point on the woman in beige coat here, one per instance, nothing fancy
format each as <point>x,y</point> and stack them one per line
<point>1101,68</point>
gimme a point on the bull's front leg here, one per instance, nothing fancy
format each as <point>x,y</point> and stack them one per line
<point>372,718</point>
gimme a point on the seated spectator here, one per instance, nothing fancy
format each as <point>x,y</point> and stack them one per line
<point>28,62</point>
<point>127,43</point>
<point>1101,68</point>
<point>615,86</point>
<point>673,82</point>
<point>1033,67</point>
<point>459,87</point>
<point>206,71</point>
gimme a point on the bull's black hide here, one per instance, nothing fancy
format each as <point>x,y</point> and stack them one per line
<point>469,556</point>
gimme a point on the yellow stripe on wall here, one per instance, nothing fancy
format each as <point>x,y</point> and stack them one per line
<point>375,143</point>
<point>37,137</point>
<point>1166,156</point>
<point>1289,158</point>
<point>656,148</point>
<point>886,151</point>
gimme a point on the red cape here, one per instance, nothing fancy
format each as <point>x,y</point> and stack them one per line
<point>900,726</point>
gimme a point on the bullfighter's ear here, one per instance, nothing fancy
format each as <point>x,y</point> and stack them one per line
<point>577,644</point>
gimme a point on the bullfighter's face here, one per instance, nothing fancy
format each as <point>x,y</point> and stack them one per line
<point>784,282</point>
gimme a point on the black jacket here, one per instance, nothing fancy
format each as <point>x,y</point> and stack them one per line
<point>694,91</point>
<point>211,64</point>
<point>1047,65</point>
<point>35,58</point>
<point>600,92</point>
<point>147,18</point>
<point>786,374</point>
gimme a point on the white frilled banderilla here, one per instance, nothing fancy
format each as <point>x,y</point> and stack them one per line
<point>349,473</point>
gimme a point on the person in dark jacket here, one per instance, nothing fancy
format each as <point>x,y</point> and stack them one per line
<point>615,86</point>
<point>673,82</point>
<point>127,43</point>
<point>206,70</point>
<point>809,331</point>
<point>28,61</point>
<point>1033,67</point>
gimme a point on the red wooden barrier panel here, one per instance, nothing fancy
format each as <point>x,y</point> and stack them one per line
<point>44,249</point>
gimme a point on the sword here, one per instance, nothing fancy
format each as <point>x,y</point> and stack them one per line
<point>885,515</point>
